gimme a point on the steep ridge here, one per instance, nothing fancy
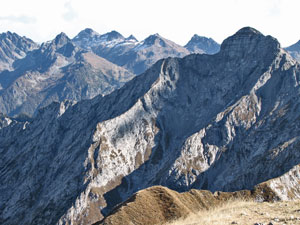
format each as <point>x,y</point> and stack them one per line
<point>12,48</point>
<point>222,122</point>
<point>202,45</point>
<point>57,71</point>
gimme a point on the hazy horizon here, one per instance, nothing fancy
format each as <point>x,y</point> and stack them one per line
<point>175,20</point>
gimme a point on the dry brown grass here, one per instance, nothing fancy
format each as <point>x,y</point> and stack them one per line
<point>246,212</point>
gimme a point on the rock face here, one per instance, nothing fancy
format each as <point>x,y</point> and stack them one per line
<point>202,45</point>
<point>294,50</point>
<point>221,122</point>
<point>57,71</point>
<point>12,48</point>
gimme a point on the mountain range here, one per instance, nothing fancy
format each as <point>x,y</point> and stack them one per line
<point>222,122</point>
<point>32,75</point>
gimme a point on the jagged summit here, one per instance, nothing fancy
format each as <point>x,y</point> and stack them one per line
<point>201,44</point>
<point>61,39</point>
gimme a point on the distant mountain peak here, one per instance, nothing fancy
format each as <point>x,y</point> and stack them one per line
<point>89,31</point>
<point>113,35</point>
<point>248,31</point>
<point>86,33</point>
<point>152,39</point>
<point>131,38</point>
<point>247,39</point>
<point>201,44</point>
<point>61,39</point>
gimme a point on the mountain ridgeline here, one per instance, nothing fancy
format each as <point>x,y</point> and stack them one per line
<point>222,122</point>
<point>32,76</point>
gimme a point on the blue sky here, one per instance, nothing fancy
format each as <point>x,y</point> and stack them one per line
<point>177,20</point>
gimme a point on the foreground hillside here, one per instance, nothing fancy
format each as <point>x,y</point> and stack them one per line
<point>223,122</point>
<point>160,205</point>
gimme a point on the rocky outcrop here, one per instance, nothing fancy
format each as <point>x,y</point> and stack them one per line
<point>222,122</point>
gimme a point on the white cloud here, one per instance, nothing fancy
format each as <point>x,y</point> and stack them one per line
<point>70,14</point>
<point>19,19</point>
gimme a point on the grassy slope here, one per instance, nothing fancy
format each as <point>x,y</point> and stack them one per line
<point>246,212</point>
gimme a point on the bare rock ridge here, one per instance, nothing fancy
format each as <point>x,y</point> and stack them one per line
<point>222,122</point>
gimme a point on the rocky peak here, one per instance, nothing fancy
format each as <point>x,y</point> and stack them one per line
<point>131,38</point>
<point>86,34</point>
<point>110,36</point>
<point>201,44</point>
<point>154,38</point>
<point>61,39</point>
<point>248,40</point>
